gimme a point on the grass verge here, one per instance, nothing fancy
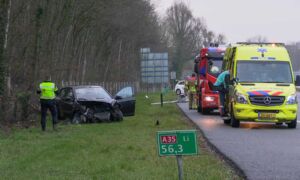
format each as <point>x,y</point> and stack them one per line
<point>122,150</point>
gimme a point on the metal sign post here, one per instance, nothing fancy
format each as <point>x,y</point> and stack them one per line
<point>177,143</point>
<point>180,166</point>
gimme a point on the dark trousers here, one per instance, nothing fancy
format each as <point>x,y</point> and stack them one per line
<point>222,102</point>
<point>45,105</point>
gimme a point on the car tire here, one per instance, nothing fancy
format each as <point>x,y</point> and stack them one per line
<point>278,124</point>
<point>292,124</point>
<point>116,115</point>
<point>178,92</point>
<point>233,121</point>
<point>76,119</point>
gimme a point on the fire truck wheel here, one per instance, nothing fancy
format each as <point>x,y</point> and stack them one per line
<point>205,110</point>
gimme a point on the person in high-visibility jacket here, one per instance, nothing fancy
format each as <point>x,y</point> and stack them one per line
<point>222,88</point>
<point>191,86</point>
<point>47,91</point>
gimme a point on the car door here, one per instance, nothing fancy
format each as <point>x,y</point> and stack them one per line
<point>67,102</point>
<point>126,99</point>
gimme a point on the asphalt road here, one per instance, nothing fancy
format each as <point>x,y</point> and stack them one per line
<point>262,151</point>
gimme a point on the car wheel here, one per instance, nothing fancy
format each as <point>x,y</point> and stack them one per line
<point>278,124</point>
<point>178,92</point>
<point>292,124</point>
<point>76,119</point>
<point>116,115</point>
<point>233,121</point>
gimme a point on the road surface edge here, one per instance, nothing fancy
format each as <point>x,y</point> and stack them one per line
<point>213,148</point>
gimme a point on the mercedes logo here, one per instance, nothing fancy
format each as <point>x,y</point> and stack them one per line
<point>267,100</point>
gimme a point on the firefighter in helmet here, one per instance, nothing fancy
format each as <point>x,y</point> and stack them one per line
<point>191,87</point>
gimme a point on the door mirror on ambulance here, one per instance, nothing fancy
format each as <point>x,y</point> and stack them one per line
<point>297,81</point>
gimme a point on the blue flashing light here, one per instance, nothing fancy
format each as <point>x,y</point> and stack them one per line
<point>271,58</point>
<point>262,50</point>
<point>254,58</point>
<point>212,49</point>
<point>216,49</point>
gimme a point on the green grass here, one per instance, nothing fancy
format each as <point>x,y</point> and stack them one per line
<point>122,150</point>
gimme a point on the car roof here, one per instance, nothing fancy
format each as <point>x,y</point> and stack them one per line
<point>83,86</point>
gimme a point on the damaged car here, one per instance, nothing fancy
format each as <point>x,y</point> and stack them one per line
<point>83,104</point>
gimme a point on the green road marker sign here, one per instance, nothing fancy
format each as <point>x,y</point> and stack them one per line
<point>178,142</point>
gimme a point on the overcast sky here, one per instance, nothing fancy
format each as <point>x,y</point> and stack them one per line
<point>238,20</point>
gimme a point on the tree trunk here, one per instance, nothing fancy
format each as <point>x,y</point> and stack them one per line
<point>3,25</point>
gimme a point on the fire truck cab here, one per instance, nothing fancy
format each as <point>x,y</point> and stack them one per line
<point>208,65</point>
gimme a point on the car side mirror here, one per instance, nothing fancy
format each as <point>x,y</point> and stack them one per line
<point>297,81</point>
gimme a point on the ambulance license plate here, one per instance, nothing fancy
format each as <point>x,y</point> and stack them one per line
<point>267,116</point>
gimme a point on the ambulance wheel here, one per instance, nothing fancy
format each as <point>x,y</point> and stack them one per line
<point>292,124</point>
<point>233,121</point>
<point>178,92</point>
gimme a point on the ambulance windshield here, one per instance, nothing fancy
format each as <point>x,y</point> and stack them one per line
<point>264,72</point>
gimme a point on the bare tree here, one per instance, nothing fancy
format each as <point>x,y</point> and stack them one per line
<point>183,32</point>
<point>221,39</point>
<point>73,40</point>
<point>4,7</point>
<point>185,35</point>
<point>258,39</point>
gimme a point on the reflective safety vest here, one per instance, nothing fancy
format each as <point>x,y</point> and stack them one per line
<point>47,90</point>
<point>191,84</point>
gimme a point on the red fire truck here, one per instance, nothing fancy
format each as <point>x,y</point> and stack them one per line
<point>208,65</point>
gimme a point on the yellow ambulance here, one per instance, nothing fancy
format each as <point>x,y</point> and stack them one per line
<point>261,85</point>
